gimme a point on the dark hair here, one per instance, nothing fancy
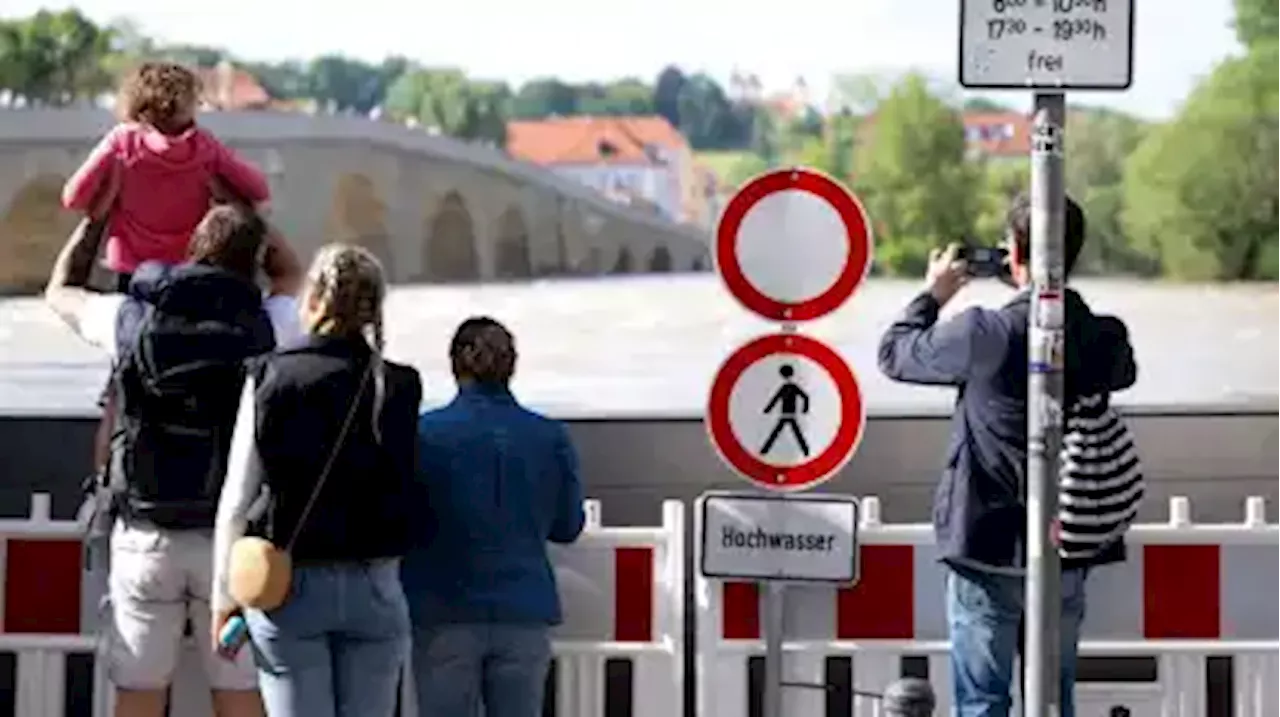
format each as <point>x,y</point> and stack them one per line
<point>1018,221</point>
<point>484,351</point>
<point>157,93</point>
<point>230,238</point>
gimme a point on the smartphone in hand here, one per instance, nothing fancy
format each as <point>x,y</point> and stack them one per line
<point>984,262</point>
<point>233,637</point>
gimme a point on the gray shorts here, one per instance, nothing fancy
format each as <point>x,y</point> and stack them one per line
<point>159,580</point>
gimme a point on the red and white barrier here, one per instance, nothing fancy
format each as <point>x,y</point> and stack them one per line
<point>1183,581</point>
<point>1188,590</point>
<point>622,592</point>
<point>41,614</point>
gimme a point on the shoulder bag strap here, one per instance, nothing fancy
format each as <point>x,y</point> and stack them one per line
<point>333,456</point>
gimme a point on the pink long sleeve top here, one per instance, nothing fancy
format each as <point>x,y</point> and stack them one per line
<point>165,189</point>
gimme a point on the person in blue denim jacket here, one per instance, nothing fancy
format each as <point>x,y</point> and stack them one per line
<point>497,482</point>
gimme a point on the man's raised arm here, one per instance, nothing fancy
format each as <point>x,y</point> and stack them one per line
<point>917,349</point>
<point>66,292</point>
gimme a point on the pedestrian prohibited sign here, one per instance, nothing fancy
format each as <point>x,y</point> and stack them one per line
<point>785,412</point>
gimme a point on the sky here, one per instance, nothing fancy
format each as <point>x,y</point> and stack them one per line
<point>1177,42</point>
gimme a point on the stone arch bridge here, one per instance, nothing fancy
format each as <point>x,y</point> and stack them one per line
<point>432,208</point>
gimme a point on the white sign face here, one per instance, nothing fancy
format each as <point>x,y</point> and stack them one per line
<point>1050,44</point>
<point>785,409</point>
<point>761,537</point>
<point>792,246</point>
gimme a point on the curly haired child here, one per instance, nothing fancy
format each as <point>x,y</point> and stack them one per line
<point>160,171</point>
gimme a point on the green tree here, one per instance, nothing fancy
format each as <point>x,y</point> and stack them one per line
<point>705,115</point>
<point>1256,22</point>
<point>53,58</point>
<point>128,45</point>
<point>628,96</point>
<point>667,90</point>
<point>1002,180</point>
<point>286,80</point>
<point>765,140</point>
<point>1098,142</point>
<point>839,142</point>
<point>855,94</point>
<point>746,168</point>
<point>912,173</point>
<point>445,100</point>
<point>1201,191</point>
<point>488,109</point>
<point>984,104</point>
<point>345,84</point>
<point>545,97</point>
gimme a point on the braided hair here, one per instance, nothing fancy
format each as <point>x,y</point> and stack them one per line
<point>347,286</point>
<point>484,351</point>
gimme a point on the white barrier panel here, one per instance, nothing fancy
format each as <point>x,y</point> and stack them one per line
<point>622,592</point>
<point>1187,591</point>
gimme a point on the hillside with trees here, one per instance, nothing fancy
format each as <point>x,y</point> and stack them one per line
<point>1192,198</point>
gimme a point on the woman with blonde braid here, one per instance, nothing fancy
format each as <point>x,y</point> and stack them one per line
<point>328,428</point>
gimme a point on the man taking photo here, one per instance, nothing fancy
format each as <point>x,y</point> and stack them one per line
<point>979,511</point>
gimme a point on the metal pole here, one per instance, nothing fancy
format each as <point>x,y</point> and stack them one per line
<point>1042,650</point>
<point>774,602</point>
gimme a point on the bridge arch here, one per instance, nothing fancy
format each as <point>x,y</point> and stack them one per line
<point>660,260</point>
<point>33,227</point>
<point>358,215</point>
<point>624,263</point>
<point>449,250</point>
<point>512,247</point>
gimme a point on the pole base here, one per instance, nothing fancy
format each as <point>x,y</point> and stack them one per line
<point>909,697</point>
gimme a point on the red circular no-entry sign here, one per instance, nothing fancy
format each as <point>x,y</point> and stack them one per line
<point>785,411</point>
<point>790,233</point>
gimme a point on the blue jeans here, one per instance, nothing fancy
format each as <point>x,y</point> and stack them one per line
<point>338,645</point>
<point>458,667</point>
<point>984,612</point>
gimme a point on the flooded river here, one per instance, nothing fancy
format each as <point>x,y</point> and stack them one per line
<point>649,345</point>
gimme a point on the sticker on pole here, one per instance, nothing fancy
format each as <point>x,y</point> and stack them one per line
<point>793,245</point>
<point>785,412</point>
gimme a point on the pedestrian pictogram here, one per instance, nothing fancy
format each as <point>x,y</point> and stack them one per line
<point>790,401</point>
<point>785,412</point>
<point>793,245</point>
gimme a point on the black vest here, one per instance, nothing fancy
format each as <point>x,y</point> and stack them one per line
<point>178,384</point>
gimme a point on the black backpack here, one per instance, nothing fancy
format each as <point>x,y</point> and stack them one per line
<point>178,391</point>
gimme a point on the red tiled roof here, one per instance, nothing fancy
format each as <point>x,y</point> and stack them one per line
<point>245,92</point>
<point>579,140</point>
<point>985,131</point>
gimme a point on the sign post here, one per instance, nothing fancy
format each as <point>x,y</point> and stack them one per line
<point>785,411</point>
<point>1048,46</point>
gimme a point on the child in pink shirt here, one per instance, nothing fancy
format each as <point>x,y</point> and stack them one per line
<point>163,168</point>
